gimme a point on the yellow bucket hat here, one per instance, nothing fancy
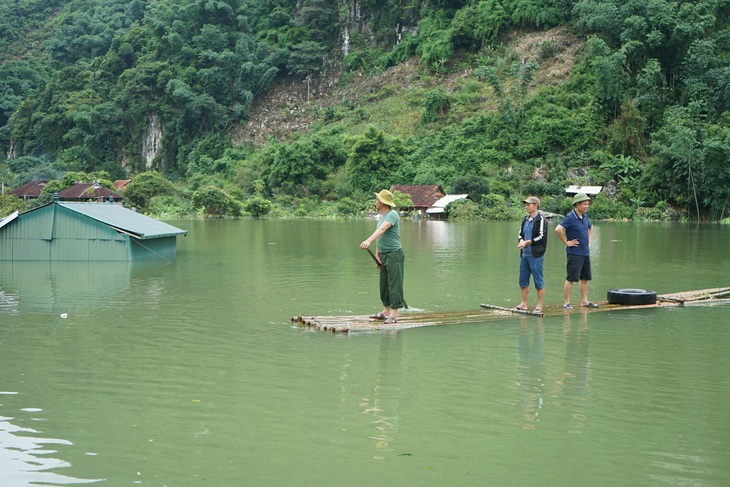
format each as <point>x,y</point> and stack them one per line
<point>386,197</point>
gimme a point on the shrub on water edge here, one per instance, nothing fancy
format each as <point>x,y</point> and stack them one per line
<point>464,210</point>
<point>564,205</point>
<point>497,209</point>
<point>551,204</point>
<point>347,207</point>
<point>601,208</point>
<point>169,207</point>
<point>257,206</point>
<point>621,212</point>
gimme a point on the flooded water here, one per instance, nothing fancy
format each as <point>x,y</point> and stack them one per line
<point>189,373</point>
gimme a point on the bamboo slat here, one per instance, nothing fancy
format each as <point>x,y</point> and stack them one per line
<point>702,294</point>
<point>490,312</point>
<point>511,310</point>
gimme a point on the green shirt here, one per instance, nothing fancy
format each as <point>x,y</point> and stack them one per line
<point>390,240</point>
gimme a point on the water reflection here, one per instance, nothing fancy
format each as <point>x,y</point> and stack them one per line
<point>25,457</point>
<point>382,407</point>
<point>576,376</point>
<point>530,371</point>
<point>446,243</point>
<point>58,287</point>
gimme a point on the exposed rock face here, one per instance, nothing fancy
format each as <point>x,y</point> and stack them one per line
<point>578,174</point>
<point>352,21</point>
<point>540,174</point>
<point>152,140</point>
<point>609,189</point>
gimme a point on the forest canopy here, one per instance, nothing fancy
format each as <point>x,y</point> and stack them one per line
<point>126,88</point>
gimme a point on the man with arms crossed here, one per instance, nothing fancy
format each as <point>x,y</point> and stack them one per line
<point>532,241</point>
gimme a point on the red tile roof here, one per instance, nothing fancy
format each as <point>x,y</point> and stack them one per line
<point>31,189</point>
<point>120,184</point>
<point>86,191</point>
<point>423,196</point>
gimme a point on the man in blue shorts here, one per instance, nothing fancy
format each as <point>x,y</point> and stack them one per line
<point>576,231</point>
<point>532,242</point>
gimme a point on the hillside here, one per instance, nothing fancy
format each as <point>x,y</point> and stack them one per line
<point>293,106</point>
<point>305,107</point>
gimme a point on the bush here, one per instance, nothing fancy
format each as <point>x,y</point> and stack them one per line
<point>621,212</point>
<point>437,105</point>
<point>601,208</point>
<point>477,187</point>
<point>497,209</point>
<point>347,207</point>
<point>464,210</point>
<point>169,206</point>
<point>542,188</point>
<point>215,202</point>
<point>565,206</point>
<point>257,206</point>
<point>146,185</point>
<point>500,188</point>
<point>10,203</point>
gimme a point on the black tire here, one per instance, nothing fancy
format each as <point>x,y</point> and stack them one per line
<point>631,296</point>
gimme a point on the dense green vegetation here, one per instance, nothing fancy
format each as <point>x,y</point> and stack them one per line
<point>644,109</point>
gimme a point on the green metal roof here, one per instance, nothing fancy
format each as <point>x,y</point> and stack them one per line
<point>120,218</point>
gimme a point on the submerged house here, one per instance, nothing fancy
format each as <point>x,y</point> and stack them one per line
<point>422,195</point>
<point>67,231</point>
<point>438,209</point>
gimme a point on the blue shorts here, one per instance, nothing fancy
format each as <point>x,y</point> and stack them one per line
<point>530,266</point>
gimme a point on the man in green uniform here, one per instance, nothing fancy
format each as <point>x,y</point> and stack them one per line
<point>389,253</point>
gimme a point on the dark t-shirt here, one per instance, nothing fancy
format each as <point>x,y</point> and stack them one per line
<point>576,227</point>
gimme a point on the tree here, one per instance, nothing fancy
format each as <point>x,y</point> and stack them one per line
<point>258,206</point>
<point>146,185</point>
<point>678,146</point>
<point>10,203</point>
<point>598,16</point>
<point>215,202</point>
<point>610,73</point>
<point>402,200</point>
<point>373,158</point>
<point>306,58</point>
<point>477,187</point>
<point>477,24</point>
<point>716,171</point>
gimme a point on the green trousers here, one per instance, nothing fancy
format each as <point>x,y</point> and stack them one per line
<point>391,278</point>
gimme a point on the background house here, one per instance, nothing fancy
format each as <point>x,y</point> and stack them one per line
<point>589,190</point>
<point>30,190</point>
<point>89,192</point>
<point>63,231</point>
<point>423,196</point>
<point>120,184</point>
<point>438,209</point>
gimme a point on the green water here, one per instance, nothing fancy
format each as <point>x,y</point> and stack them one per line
<point>189,373</point>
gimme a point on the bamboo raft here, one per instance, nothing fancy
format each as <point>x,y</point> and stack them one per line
<point>489,312</point>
